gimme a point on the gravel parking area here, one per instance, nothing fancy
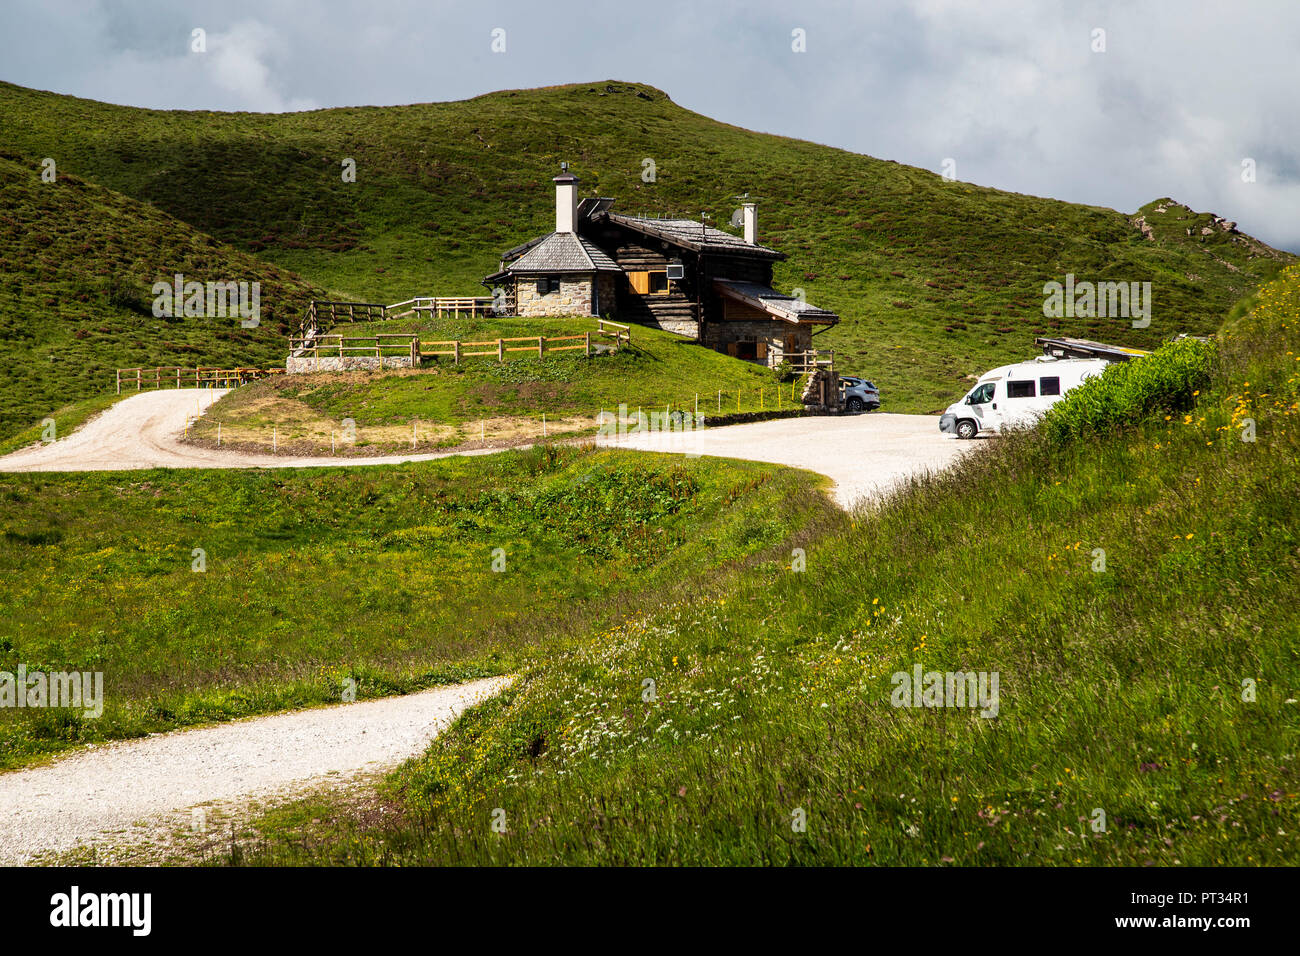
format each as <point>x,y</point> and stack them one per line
<point>865,455</point>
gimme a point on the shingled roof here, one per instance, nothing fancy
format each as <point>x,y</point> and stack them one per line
<point>559,252</point>
<point>689,234</point>
<point>776,304</point>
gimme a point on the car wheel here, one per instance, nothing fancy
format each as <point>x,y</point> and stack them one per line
<point>854,404</point>
<point>967,429</point>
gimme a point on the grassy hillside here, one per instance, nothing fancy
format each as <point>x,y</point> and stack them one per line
<point>77,264</point>
<point>934,279</point>
<point>452,404</point>
<point>384,575</point>
<point>1132,586</point>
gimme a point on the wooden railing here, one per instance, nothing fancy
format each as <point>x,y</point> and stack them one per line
<point>499,348</point>
<point>622,334</point>
<point>438,306</point>
<point>405,344</point>
<point>803,362</point>
<point>173,376</point>
<point>321,314</point>
<point>340,346</point>
<point>328,313</point>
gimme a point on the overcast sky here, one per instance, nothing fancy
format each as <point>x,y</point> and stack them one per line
<point>1014,91</point>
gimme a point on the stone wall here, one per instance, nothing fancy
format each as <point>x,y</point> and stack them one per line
<point>687,327</point>
<point>607,294</point>
<point>574,297</point>
<point>301,365</point>
<point>772,332</point>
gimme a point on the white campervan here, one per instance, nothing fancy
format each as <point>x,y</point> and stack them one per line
<point>1016,396</point>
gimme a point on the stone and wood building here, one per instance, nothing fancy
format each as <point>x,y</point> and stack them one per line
<point>674,274</point>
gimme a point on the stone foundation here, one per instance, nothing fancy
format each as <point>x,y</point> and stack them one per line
<point>301,365</point>
<point>686,327</point>
<point>772,333</point>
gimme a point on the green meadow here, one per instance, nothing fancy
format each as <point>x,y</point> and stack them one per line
<point>207,596</point>
<point>1132,585</point>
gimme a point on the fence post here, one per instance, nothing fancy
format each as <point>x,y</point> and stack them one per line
<point>119,381</point>
<point>541,345</point>
<point>455,349</point>
<point>501,350</point>
<point>586,342</point>
<point>139,380</point>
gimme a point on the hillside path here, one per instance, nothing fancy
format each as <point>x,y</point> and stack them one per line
<point>864,455</point>
<point>108,790</point>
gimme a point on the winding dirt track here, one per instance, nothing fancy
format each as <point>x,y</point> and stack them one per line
<point>143,431</point>
<point>108,790</point>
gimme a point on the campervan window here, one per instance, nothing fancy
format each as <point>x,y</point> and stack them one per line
<point>981,395</point>
<point>1020,389</point>
<point>1049,385</point>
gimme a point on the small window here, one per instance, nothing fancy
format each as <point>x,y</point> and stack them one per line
<point>1020,389</point>
<point>548,284</point>
<point>649,283</point>
<point>1049,385</point>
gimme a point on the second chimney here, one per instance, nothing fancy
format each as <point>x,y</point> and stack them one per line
<point>749,212</point>
<point>566,200</point>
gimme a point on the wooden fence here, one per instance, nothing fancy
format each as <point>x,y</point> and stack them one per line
<point>329,313</point>
<point>438,306</point>
<point>540,344</point>
<point>173,376</point>
<point>321,314</point>
<point>337,345</point>
<point>804,362</point>
<point>621,334</point>
<point>340,346</point>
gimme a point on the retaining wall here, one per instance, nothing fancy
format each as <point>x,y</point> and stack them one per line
<point>299,365</point>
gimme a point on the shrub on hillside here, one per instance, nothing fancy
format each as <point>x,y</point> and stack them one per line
<point>1126,393</point>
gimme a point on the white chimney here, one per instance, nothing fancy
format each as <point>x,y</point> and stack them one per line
<point>566,200</point>
<point>750,213</point>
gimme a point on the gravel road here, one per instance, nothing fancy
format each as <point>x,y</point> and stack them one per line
<point>97,792</point>
<point>865,455</point>
<point>144,431</point>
